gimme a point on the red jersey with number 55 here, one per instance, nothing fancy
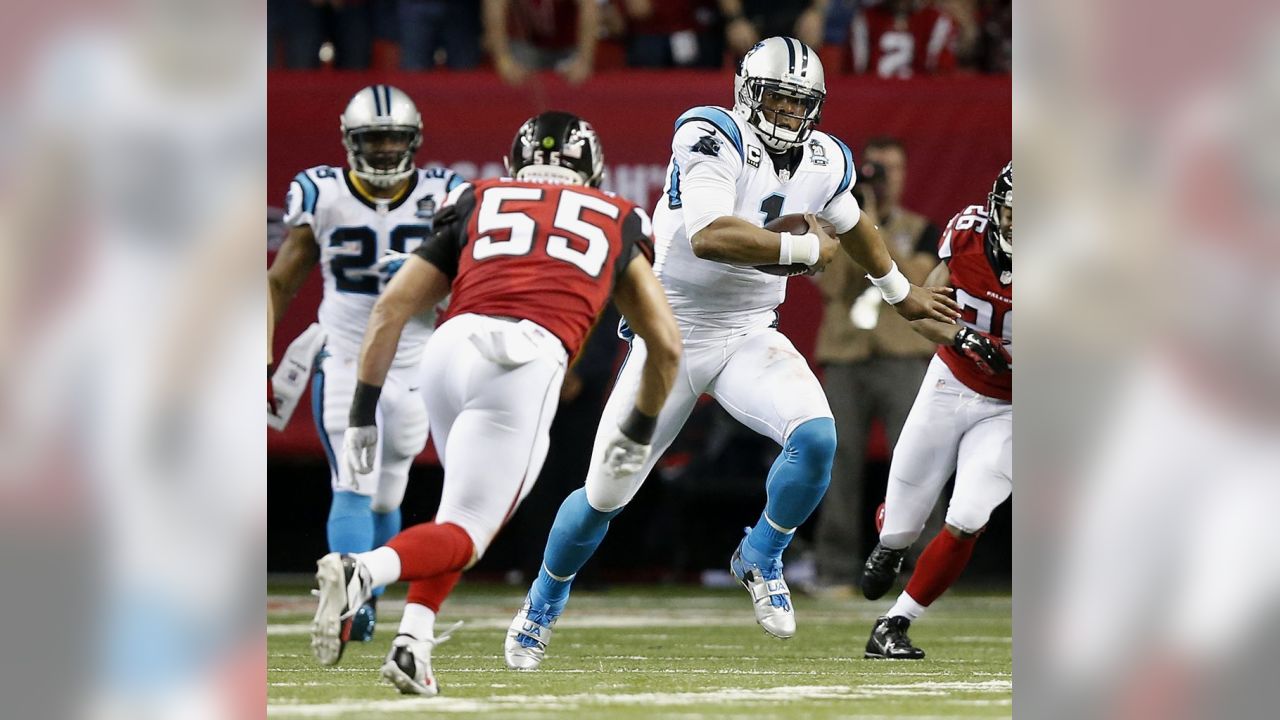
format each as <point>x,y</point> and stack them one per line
<point>985,296</point>
<point>536,251</point>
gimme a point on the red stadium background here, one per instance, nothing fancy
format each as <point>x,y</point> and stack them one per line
<point>957,131</point>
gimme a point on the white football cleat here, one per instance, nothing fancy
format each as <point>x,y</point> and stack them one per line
<point>344,585</point>
<point>770,596</point>
<point>408,664</point>
<point>527,639</point>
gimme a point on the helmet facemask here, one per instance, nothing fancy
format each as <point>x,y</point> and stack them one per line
<point>1001,198</point>
<point>382,155</point>
<point>998,208</point>
<point>761,98</point>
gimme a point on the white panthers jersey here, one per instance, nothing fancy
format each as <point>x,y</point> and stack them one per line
<point>353,231</point>
<point>724,149</point>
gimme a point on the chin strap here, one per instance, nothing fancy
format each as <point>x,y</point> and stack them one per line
<point>383,181</point>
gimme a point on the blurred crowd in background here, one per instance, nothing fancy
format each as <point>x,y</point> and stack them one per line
<point>886,38</point>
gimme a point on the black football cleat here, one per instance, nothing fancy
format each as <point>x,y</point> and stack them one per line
<point>343,587</point>
<point>889,641</point>
<point>880,570</point>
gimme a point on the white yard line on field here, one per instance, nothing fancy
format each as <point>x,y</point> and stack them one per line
<point>721,696</point>
<point>582,620</point>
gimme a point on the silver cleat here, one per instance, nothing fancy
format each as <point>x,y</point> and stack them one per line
<point>770,596</point>
<point>526,643</point>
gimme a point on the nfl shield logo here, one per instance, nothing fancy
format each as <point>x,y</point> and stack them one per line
<point>427,208</point>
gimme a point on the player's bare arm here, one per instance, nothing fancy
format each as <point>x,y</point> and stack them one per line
<point>417,287</point>
<point>297,255</point>
<point>640,299</point>
<point>941,333</point>
<point>863,243</point>
<point>730,239</point>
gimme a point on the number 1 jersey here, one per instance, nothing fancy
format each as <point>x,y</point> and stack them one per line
<point>536,251</point>
<point>720,167</point>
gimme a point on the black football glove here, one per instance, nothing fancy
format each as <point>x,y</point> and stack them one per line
<point>987,352</point>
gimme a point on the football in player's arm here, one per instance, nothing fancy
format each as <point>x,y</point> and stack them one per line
<point>731,239</point>
<point>732,173</point>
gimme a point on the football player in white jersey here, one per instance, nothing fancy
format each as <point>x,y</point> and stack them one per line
<point>347,220</point>
<point>731,172</point>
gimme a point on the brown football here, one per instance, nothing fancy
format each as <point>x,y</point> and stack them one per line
<point>795,224</point>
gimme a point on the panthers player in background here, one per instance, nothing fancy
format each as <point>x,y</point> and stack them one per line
<point>961,422</point>
<point>731,172</point>
<point>531,261</point>
<point>347,219</point>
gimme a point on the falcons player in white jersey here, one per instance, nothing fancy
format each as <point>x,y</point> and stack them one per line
<point>731,172</point>
<point>961,422</point>
<point>347,220</point>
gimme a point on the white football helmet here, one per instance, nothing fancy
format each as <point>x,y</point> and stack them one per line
<point>784,66</point>
<point>381,130</point>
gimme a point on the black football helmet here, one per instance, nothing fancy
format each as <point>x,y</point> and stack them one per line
<point>557,147</point>
<point>999,235</point>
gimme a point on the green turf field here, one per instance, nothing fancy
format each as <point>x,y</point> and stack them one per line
<point>659,652</point>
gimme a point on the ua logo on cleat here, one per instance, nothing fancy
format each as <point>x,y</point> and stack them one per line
<point>533,629</point>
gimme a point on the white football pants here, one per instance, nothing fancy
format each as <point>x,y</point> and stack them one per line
<point>756,375</point>
<point>950,429</point>
<point>493,390</point>
<point>402,426</point>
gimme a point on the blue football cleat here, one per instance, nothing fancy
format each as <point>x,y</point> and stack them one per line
<point>362,623</point>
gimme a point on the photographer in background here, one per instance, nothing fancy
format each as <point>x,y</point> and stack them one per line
<point>873,362</point>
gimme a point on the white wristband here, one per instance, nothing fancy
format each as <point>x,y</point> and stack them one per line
<point>894,286</point>
<point>798,249</point>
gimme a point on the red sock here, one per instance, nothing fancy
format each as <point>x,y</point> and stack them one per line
<point>939,566</point>
<point>431,549</point>
<point>433,592</point>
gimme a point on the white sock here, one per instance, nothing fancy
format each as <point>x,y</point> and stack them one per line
<point>418,621</point>
<point>906,607</point>
<point>383,564</point>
